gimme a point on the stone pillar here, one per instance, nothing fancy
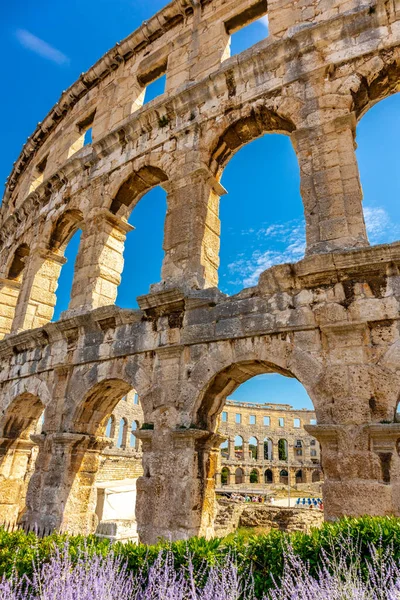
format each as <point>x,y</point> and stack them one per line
<point>192,231</point>
<point>99,263</point>
<point>218,482</point>
<point>231,447</point>
<point>176,495</point>
<point>330,185</point>
<point>9,292</point>
<point>361,467</point>
<point>260,452</point>
<point>61,492</point>
<point>15,456</point>
<point>37,299</point>
<point>245,451</point>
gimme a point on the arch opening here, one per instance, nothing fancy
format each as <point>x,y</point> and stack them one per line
<point>18,264</point>
<point>23,418</point>
<point>147,216</point>
<point>256,161</point>
<point>104,462</point>
<point>262,409</point>
<point>377,135</point>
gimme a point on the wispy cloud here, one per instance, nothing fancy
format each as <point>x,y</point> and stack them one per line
<point>380,228</point>
<point>280,243</point>
<point>264,21</point>
<point>40,47</point>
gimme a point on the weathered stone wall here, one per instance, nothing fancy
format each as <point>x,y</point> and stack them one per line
<point>331,320</point>
<point>231,516</point>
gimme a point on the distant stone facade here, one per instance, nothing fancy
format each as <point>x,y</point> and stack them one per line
<point>266,446</point>
<point>331,320</point>
<point>123,458</point>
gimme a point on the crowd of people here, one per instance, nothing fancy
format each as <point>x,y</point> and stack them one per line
<point>312,503</point>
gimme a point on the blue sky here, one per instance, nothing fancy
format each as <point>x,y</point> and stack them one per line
<point>48,45</point>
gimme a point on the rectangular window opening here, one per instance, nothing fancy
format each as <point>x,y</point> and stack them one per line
<point>238,418</point>
<point>38,174</point>
<point>84,133</point>
<point>224,416</point>
<point>247,28</point>
<point>155,88</point>
<point>296,423</point>
<point>252,419</point>
<point>267,421</point>
<point>281,422</point>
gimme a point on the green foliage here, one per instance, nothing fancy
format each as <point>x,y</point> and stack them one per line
<point>263,554</point>
<point>147,426</point>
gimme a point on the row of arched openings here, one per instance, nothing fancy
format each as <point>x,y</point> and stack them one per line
<point>261,170</point>
<point>268,477</point>
<point>122,439</point>
<point>253,448</point>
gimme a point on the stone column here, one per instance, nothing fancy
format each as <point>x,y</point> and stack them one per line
<point>361,467</point>
<point>330,185</point>
<point>37,299</point>
<point>176,495</point>
<point>15,456</point>
<point>192,231</point>
<point>61,492</point>
<point>260,452</point>
<point>9,292</point>
<point>99,263</point>
<point>231,447</point>
<point>245,451</point>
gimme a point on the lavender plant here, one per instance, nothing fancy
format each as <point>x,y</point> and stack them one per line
<point>340,577</point>
<point>343,575</point>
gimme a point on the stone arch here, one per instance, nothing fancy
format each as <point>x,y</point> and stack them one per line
<point>284,476</point>
<point>134,187</point>
<point>64,228</point>
<point>17,264</point>
<point>239,476</point>
<point>254,476</point>
<point>236,131</point>
<point>89,381</point>
<point>268,476</point>
<point>299,477</point>
<point>18,451</point>
<point>10,286</point>
<point>76,452</point>
<point>232,363</point>
<point>225,476</point>
<point>93,412</point>
<point>384,82</point>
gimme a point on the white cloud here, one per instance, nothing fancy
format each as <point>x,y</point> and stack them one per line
<point>280,243</point>
<point>40,47</point>
<point>264,21</point>
<point>288,245</point>
<point>380,228</point>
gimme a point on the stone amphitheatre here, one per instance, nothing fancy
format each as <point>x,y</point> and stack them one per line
<point>330,320</point>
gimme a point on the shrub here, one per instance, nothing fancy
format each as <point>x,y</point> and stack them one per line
<point>262,555</point>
